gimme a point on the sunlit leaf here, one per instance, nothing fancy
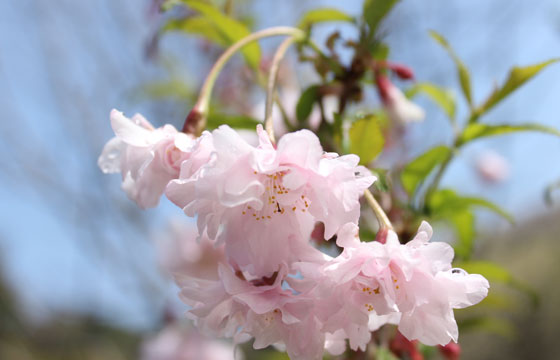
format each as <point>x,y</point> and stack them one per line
<point>477,130</point>
<point>517,77</point>
<point>229,28</point>
<point>380,51</point>
<point>416,171</point>
<point>463,72</point>
<point>306,102</point>
<point>366,139</point>
<point>323,15</point>
<point>375,10</point>
<point>442,97</point>
<point>173,88</point>
<point>235,121</point>
<point>198,25</point>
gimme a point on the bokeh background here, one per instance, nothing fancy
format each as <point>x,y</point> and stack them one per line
<point>79,269</point>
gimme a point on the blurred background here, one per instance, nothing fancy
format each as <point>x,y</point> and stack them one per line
<point>79,270</point>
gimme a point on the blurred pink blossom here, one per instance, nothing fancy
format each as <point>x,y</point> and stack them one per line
<point>492,167</point>
<point>182,342</point>
<point>147,158</point>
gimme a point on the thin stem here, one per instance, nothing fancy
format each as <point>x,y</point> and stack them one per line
<point>271,85</point>
<point>384,221</point>
<point>202,105</point>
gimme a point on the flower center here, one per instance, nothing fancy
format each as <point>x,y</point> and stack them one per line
<point>277,199</point>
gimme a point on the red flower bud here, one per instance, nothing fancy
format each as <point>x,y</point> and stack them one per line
<point>191,122</point>
<point>402,71</point>
<point>400,346</point>
<point>383,86</point>
<point>451,351</point>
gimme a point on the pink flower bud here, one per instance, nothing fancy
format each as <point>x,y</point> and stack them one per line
<point>382,235</point>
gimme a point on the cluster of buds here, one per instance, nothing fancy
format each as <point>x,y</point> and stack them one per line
<point>399,108</point>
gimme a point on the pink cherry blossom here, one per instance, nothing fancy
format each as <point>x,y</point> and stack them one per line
<point>414,285</point>
<point>261,308</point>
<point>182,251</point>
<point>182,342</point>
<point>147,158</point>
<point>492,167</point>
<point>263,201</point>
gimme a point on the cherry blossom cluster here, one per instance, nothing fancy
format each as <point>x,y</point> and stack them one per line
<point>257,206</point>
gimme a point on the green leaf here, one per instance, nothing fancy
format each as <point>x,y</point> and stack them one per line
<point>463,223</point>
<point>496,273</point>
<point>306,102</point>
<point>382,182</point>
<point>235,121</point>
<point>383,353</point>
<point>366,139</point>
<point>446,201</point>
<point>323,15</point>
<point>229,28</point>
<point>417,170</point>
<point>496,301</point>
<point>375,10</point>
<point>491,324</point>
<point>197,25</point>
<point>476,130</point>
<point>168,4</point>
<point>380,51</point>
<point>462,71</point>
<point>442,97</point>
<point>517,77</point>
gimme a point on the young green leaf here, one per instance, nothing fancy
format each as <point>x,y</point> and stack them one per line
<point>229,28</point>
<point>235,121</point>
<point>384,353</point>
<point>446,201</point>
<point>197,25</point>
<point>477,130</point>
<point>306,102</point>
<point>417,170</point>
<point>463,72</point>
<point>442,97</point>
<point>463,223</point>
<point>323,15</point>
<point>517,77</point>
<point>366,139</point>
<point>375,10</point>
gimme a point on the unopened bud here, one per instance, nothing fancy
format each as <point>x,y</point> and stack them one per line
<point>402,71</point>
<point>382,235</point>
<point>451,351</point>
<point>192,122</point>
<point>402,347</point>
<point>383,86</point>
